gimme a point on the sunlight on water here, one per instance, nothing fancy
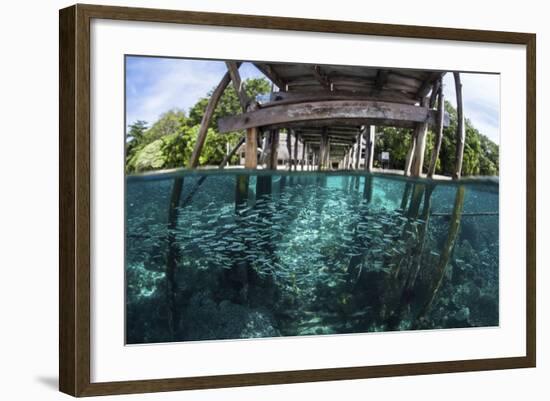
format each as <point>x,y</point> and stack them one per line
<point>277,254</point>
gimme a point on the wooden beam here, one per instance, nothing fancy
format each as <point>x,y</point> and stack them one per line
<point>321,77</point>
<point>435,91</point>
<point>381,79</point>
<point>251,149</point>
<point>439,132</point>
<point>427,85</point>
<point>271,74</point>
<point>228,156</point>
<point>358,110</point>
<point>233,69</point>
<point>460,128</point>
<point>206,120</point>
<point>283,97</point>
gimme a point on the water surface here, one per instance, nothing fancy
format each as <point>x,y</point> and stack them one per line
<point>260,254</point>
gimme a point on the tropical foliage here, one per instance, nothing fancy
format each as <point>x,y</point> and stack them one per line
<point>480,153</point>
<point>169,142</point>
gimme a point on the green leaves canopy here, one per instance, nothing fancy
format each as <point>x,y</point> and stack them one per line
<point>481,155</point>
<point>170,140</point>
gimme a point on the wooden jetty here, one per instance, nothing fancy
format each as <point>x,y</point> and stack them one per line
<point>327,116</point>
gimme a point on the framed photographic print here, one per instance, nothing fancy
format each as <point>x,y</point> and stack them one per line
<point>251,200</point>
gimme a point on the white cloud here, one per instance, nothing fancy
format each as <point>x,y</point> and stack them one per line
<point>156,85</point>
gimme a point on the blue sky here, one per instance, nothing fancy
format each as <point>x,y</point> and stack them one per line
<point>155,85</point>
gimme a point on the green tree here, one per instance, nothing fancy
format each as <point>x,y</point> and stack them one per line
<point>170,140</point>
<point>228,104</point>
<point>134,137</point>
<point>481,155</point>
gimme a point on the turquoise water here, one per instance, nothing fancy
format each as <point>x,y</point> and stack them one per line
<point>256,254</point>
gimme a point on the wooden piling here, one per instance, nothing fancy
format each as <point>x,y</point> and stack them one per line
<point>439,133</point>
<point>460,129</point>
<point>420,146</point>
<point>289,149</point>
<point>295,158</point>
<point>358,156</point>
<point>251,150</point>
<point>273,149</point>
<point>454,225</point>
<point>370,137</point>
<point>410,154</point>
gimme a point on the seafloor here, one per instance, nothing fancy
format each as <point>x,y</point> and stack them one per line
<point>248,255</point>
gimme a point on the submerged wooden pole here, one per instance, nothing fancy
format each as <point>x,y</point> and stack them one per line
<point>439,133</point>
<point>454,225</point>
<point>460,129</point>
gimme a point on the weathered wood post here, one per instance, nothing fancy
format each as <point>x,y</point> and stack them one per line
<point>274,149</point>
<point>351,157</point>
<point>410,154</point>
<point>251,141</point>
<point>346,155</point>
<point>251,150</point>
<point>295,164</point>
<point>369,151</point>
<point>322,150</point>
<point>327,156</point>
<point>358,156</point>
<point>420,146</point>
<point>460,129</point>
<point>303,154</point>
<point>232,152</point>
<point>289,149</point>
<point>439,132</point>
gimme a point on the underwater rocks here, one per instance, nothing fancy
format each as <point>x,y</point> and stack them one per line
<point>204,319</point>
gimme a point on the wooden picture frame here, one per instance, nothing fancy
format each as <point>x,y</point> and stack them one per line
<point>74,199</point>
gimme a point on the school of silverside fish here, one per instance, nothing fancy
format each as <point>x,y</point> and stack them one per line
<point>315,253</point>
